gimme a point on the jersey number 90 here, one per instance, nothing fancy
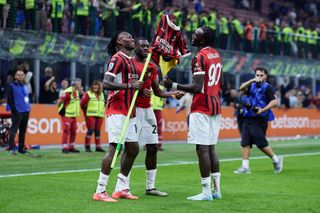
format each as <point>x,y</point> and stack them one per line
<point>214,74</point>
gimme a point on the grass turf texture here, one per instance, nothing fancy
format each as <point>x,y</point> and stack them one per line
<point>295,190</point>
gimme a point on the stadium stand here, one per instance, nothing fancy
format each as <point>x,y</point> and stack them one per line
<point>284,28</point>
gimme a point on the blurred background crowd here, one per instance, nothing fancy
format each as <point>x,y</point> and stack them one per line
<point>275,27</point>
<point>271,27</point>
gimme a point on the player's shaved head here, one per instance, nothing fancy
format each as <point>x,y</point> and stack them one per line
<point>141,47</point>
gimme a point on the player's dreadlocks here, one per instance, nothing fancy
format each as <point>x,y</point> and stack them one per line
<point>112,46</point>
<point>208,36</point>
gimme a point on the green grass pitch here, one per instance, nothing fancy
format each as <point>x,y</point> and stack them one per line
<point>296,189</point>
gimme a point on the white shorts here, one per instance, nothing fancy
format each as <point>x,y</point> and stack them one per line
<point>114,127</point>
<point>147,126</point>
<point>203,129</point>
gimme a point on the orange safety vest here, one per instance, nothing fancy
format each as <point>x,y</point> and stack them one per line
<point>248,32</point>
<point>263,32</point>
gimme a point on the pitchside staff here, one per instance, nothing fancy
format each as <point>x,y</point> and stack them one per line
<point>205,110</point>
<point>257,112</point>
<point>69,109</point>
<point>19,104</point>
<point>93,106</point>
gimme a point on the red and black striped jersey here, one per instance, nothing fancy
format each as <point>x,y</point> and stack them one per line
<point>207,62</point>
<point>168,41</point>
<point>150,75</point>
<point>121,67</point>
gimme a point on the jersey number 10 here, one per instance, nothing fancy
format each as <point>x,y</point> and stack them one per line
<point>214,74</point>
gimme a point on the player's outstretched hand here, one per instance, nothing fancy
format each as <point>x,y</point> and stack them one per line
<point>146,93</point>
<point>178,95</point>
<point>137,85</point>
<point>167,82</point>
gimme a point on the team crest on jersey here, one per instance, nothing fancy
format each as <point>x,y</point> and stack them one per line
<point>111,65</point>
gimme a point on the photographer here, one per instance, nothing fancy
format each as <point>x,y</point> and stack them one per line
<point>257,112</point>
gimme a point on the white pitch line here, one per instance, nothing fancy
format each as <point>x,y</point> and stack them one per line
<point>161,164</point>
<point>295,144</point>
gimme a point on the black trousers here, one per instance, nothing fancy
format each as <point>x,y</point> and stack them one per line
<point>82,25</point>
<point>57,25</point>
<point>19,122</point>
<point>1,17</point>
<point>30,19</point>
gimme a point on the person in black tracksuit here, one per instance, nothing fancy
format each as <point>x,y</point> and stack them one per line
<point>19,104</point>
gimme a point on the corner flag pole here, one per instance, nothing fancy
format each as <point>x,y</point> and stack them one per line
<point>133,102</point>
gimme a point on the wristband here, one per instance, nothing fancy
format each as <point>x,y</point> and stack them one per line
<point>129,86</point>
<point>175,85</point>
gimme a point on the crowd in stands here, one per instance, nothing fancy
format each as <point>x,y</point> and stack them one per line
<point>291,28</point>
<point>50,90</point>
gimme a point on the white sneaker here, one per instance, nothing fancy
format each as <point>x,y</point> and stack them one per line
<point>216,195</point>
<point>242,170</point>
<point>156,192</point>
<point>278,166</point>
<point>201,196</point>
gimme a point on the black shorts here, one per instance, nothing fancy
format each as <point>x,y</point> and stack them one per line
<point>254,132</point>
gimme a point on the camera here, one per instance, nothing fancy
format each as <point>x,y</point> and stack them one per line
<point>248,106</point>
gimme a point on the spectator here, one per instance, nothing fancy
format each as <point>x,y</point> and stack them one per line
<point>42,15</point>
<point>51,94</point>
<point>245,4</point>
<point>48,73</point>
<point>237,33</point>
<point>313,9</point>
<point>292,98</point>
<point>279,99</point>
<point>287,36</point>
<point>19,105</point>
<point>81,13</point>
<point>137,18</point>
<point>307,93</point>
<point>22,65</point>
<point>300,99</point>
<point>248,36</point>
<point>56,13</point>
<point>64,86</point>
<point>263,28</point>
<point>4,11</point>
<point>315,103</point>
<point>198,6</point>
<point>30,13</point>
<point>69,16</point>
